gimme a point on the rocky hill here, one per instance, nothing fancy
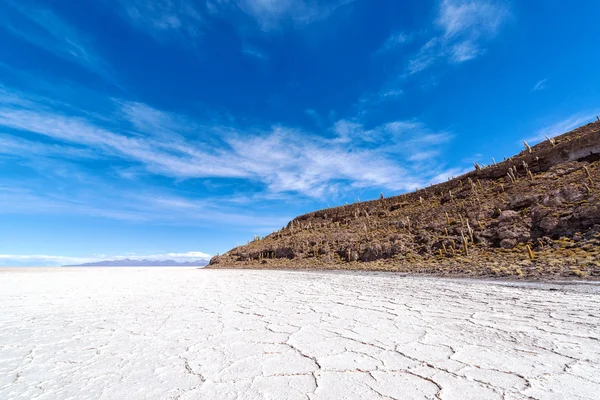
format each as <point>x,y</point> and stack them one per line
<point>536,214</point>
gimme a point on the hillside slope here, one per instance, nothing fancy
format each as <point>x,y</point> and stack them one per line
<point>536,214</point>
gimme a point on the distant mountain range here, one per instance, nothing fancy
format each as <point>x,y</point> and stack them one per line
<point>142,263</point>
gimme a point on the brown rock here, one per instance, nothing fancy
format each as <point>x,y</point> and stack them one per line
<point>508,216</point>
<point>508,243</point>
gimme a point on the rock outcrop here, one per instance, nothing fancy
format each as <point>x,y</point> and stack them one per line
<point>536,214</point>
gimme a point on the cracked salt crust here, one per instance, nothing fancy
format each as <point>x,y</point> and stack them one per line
<point>218,334</point>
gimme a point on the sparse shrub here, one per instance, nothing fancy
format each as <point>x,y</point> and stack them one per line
<point>578,272</point>
<point>519,272</point>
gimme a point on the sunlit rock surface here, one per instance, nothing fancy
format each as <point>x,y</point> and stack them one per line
<point>219,334</point>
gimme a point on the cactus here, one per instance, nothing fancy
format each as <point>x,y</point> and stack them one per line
<point>447,219</point>
<point>530,252</point>
<point>511,174</point>
<point>470,231</point>
<point>530,174</point>
<point>494,160</point>
<point>551,140</point>
<point>464,242</point>
<point>527,146</point>
<point>477,166</point>
<point>589,176</point>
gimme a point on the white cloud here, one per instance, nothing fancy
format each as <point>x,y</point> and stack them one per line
<point>369,102</point>
<point>464,51</point>
<point>253,52</point>
<point>464,27</point>
<point>540,85</point>
<point>272,14</point>
<point>392,93</point>
<point>182,18</point>
<point>424,155</point>
<point>282,158</point>
<point>148,120</point>
<point>426,56</point>
<point>13,145</point>
<point>471,18</point>
<point>187,19</point>
<point>41,27</point>
<point>394,41</point>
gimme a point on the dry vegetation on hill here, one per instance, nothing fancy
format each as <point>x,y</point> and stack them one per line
<point>536,214</point>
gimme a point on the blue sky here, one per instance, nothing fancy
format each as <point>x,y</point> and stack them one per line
<point>155,128</point>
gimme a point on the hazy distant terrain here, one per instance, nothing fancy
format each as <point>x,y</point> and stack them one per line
<point>104,333</point>
<point>143,263</point>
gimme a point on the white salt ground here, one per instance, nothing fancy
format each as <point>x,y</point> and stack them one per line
<point>204,334</point>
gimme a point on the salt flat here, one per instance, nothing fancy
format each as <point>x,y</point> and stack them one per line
<point>118,333</point>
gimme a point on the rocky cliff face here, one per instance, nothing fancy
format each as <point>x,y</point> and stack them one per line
<point>535,214</point>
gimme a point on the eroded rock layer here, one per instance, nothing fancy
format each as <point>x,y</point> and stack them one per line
<point>535,214</point>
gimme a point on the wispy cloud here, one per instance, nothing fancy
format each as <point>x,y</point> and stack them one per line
<point>189,19</point>
<point>370,102</point>
<point>464,27</point>
<point>181,18</point>
<point>283,159</point>
<point>93,197</point>
<point>13,145</point>
<point>470,19</point>
<point>559,127</point>
<point>253,52</point>
<point>394,41</point>
<point>271,15</point>
<point>58,260</point>
<point>43,28</point>
<point>427,55</point>
<point>540,85</point>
